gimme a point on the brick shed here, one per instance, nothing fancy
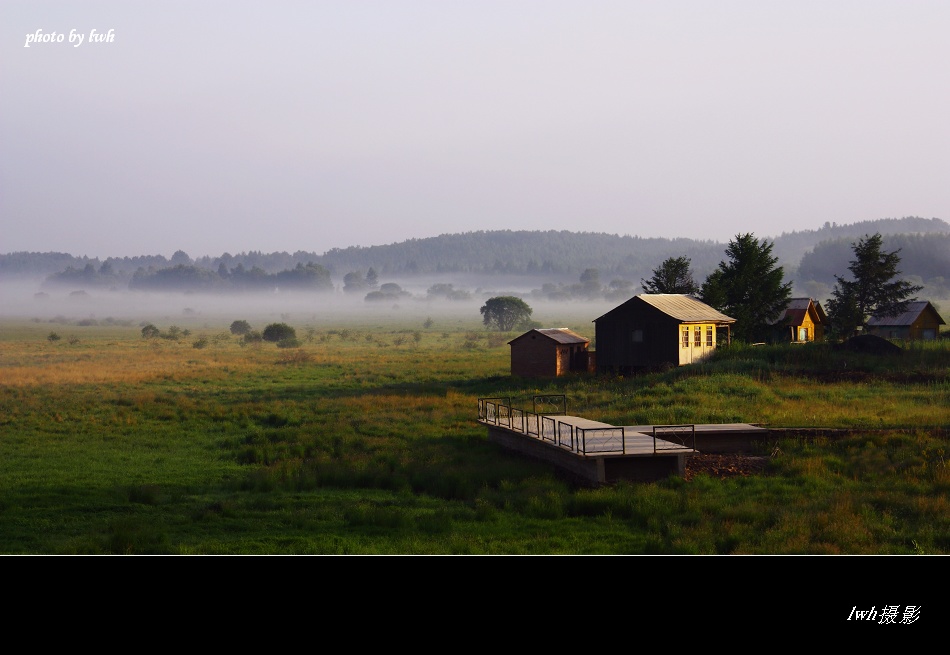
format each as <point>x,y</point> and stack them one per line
<point>550,352</point>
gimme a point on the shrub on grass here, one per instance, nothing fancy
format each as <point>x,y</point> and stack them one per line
<point>277,332</point>
<point>240,328</point>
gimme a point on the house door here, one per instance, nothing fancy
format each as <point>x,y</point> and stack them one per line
<point>803,334</point>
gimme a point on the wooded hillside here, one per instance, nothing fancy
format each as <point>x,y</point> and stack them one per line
<point>810,258</point>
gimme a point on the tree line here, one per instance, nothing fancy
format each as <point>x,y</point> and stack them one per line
<point>750,286</point>
<point>187,277</point>
<point>609,263</point>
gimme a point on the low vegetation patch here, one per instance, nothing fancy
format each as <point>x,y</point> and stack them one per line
<point>345,443</point>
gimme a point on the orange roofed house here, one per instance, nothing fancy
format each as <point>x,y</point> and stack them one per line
<point>550,352</point>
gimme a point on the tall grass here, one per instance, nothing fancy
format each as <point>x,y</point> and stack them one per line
<point>363,440</point>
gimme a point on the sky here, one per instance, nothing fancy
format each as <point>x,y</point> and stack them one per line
<point>227,127</point>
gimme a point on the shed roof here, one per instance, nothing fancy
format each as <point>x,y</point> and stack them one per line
<point>914,310</point>
<point>799,303</point>
<point>560,335</point>
<point>796,310</point>
<point>680,306</point>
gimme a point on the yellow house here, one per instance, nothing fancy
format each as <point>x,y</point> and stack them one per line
<point>920,321</point>
<point>656,330</point>
<point>802,321</point>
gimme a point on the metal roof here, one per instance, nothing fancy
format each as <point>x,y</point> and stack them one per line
<point>561,335</point>
<point>914,310</point>
<point>799,303</point>
<point>796,310</point>
<point>680,306</point>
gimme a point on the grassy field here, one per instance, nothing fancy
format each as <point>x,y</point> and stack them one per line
<point>363,440</point>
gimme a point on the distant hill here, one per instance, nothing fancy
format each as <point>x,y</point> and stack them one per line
<point>792,246</point>
<point>810,258</point>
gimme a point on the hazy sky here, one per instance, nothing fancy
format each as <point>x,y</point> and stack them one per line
<point>217,127</point>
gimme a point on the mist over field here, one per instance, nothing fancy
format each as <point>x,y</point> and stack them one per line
<point>568,279</point>
<point>30,300</point>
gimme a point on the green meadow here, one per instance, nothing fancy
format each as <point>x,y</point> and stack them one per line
<point>362,439</point>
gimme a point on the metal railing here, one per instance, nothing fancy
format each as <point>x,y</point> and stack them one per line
<point>548,429</point>
<point>550,404</point>
<point>565,440</point>
<point>490,409</point>
<point>679,436</point>
<point>584,441</point>
<point>532,424</point>
<point>612,440</point>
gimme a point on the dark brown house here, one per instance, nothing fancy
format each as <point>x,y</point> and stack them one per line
<point>549,352</point>
<point>654,330</point>
<point>802,321</point>
<point>920,321</point>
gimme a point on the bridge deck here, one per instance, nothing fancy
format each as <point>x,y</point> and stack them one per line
<point>639,438</point>
<point>601,452</point>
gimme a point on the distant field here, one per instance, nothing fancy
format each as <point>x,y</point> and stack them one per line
<point>363,440</point>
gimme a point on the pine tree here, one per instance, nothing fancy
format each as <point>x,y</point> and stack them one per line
<point>672,276</point>
<point>749,287</point>
<point>874,291</point>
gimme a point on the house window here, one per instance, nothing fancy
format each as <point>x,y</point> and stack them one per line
<point>709,336</point>
<point>697,336</point>
<point>636,336</point>
<point>685,336</point>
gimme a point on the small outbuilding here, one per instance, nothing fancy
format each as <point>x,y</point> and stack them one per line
<point>802,321</point>
<point>655,330</point>
<point>550,352</point>
<point>920,321</point>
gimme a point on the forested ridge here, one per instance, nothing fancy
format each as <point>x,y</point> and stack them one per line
<point>810,258</point>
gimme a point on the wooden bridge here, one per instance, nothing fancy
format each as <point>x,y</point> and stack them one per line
<point>599,453</point>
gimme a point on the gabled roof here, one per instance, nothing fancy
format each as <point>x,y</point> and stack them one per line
<point>680,306</point>
<point>799,303</point>
<point>560,335</point>
<point>914,310</point>
<point>796,311</point>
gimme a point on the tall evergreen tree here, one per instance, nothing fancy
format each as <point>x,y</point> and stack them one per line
<point>672,276</point>
<point>874,291</point>
<point>749,287</point>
